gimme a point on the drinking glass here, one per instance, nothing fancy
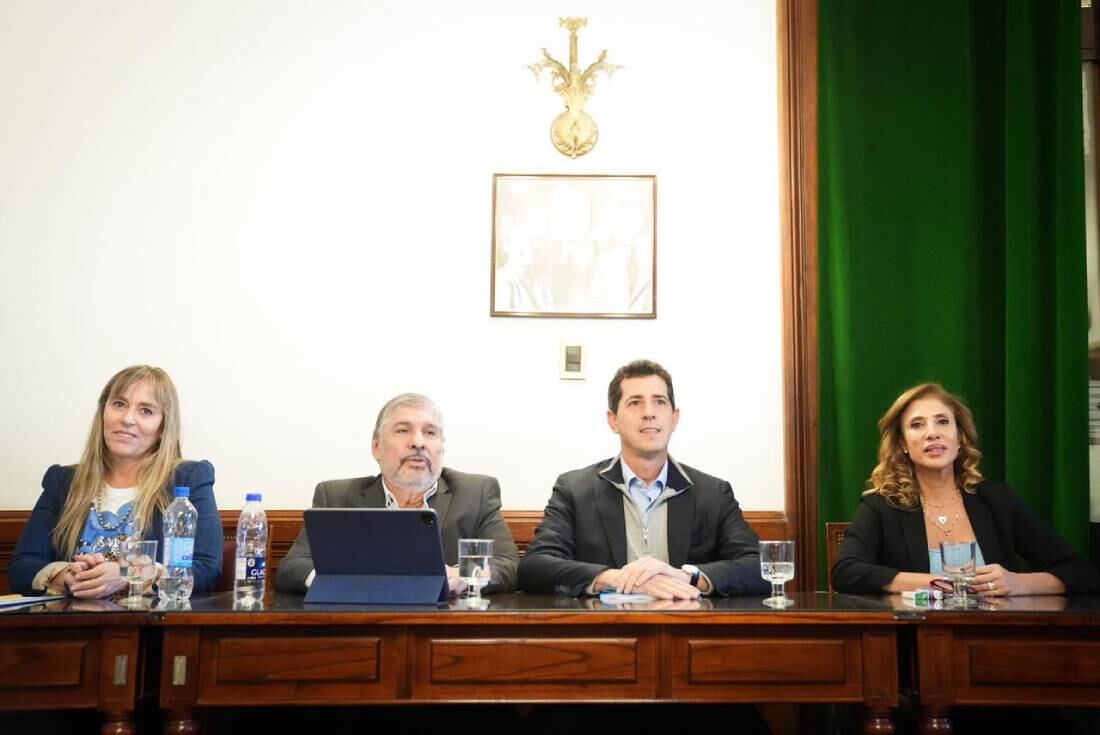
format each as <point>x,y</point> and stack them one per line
<point>474,555</point>
<point>959,565</point>
<point>138,564</point>
<point>777,566</point>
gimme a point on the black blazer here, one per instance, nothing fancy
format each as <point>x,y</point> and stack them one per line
<point>583,532</point>
<point>883,541</point>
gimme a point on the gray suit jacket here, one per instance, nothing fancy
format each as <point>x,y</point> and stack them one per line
<point>583,532</point>
<point>468,507</point>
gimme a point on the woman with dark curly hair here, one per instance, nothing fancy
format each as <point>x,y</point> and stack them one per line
<point>927,489</point>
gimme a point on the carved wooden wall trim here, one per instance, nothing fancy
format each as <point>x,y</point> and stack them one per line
<point>284,526</point>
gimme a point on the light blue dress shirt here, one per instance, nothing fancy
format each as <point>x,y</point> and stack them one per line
<point>645,497</point>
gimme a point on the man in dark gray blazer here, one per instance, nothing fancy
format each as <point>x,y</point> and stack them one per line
<point>408,445</point>
<point>642,522</point>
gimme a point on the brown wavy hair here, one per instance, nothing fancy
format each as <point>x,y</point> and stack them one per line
<point>893,477</point>
<point>154,490</point>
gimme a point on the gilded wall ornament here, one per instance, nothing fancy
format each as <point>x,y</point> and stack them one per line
<point>573,132</point>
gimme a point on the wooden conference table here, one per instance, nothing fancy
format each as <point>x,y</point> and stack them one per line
<point>526,648</point>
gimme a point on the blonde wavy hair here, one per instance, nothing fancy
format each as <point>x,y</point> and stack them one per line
<point>893,477</point>
<point>154,489</point>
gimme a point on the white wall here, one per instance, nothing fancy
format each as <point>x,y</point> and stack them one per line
<point>288,207</point>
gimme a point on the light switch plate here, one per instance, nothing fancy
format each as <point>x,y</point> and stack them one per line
<point>571,361</point>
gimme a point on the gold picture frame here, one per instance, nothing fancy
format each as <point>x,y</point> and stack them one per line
<point>574,246</point>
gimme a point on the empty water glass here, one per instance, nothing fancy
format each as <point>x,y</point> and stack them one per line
<point>777,566</point>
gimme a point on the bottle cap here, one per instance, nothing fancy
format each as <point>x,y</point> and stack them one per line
<point>183,492</point>
<point>253,497</point>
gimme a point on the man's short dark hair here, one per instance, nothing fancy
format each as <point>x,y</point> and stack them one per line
<point>636,369</point>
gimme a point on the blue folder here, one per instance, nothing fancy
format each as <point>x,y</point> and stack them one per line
<point>374,556</point>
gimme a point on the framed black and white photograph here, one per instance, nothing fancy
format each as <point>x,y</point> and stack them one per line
<point>574,246</point>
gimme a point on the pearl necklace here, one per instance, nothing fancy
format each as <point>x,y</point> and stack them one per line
<point>121,520</point>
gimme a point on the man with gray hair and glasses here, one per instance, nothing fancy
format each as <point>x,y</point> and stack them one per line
<point>408,445</point>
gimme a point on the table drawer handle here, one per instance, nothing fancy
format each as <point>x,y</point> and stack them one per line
<point>122,662</point>
<point>179,671</point>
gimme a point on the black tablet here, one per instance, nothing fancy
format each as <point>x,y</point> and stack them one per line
<point>376,556</point>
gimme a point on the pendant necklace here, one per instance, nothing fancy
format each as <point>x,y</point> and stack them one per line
<point>940,517</point>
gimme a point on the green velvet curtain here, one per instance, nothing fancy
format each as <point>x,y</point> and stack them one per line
<point>952,237</point>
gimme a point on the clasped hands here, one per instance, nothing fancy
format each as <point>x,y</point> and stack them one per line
<point>991,580</point>
<point>91,576</point>
<point>648,576</point>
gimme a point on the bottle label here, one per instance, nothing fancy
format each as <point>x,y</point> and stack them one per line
<point>251,568</point>
<point>179,552</point>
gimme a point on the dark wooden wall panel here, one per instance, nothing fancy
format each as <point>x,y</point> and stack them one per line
<point>284,526</point>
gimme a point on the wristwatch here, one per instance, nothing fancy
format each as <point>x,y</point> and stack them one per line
<point>694,572</point>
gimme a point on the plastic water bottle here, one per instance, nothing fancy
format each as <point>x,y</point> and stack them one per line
<point>248,582</point>
<point>180,521</point>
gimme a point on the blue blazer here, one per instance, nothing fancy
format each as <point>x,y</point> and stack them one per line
<point>35,549</point>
